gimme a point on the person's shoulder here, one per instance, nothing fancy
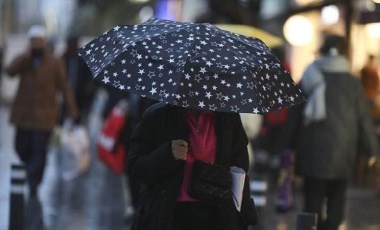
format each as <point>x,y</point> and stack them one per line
<point>229,118</point>
<point>157,109</point>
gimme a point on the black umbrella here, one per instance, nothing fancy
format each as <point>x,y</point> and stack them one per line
<point>192,65</point>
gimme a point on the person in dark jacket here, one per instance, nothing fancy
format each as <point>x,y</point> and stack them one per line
<point>335,124</point>
<point>370,78</point>
<point>79,77</point>
<point>163,148</point>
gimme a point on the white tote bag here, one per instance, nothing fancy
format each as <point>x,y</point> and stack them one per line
<point>75,150</point>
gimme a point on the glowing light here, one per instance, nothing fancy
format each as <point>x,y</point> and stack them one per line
<point>298,30</point>
<point>373,30</point>
<point>330,15</point>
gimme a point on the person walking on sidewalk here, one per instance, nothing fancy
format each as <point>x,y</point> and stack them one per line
<point>79,77</point>
<point>34,111</point>
<point>335,124</point>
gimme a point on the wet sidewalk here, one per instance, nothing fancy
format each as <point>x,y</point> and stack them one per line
<point>97,200</point>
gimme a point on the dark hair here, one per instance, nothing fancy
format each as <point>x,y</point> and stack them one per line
<point>334,41</point>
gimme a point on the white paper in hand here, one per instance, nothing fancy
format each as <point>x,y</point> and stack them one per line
<point>238,178</point>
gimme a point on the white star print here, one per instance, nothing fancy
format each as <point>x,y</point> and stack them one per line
<point>279,100</point>
<point>208,95</point>
<point>201,104</point>
<point>141,71</point>
<point>106,80</point>
<point>153,90</point>
<point>203,70</point>
<point>234,108</point>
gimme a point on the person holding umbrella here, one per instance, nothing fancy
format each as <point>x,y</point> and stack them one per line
<point>163,149</point>
<point>34,111</point>
<point>182,150</point>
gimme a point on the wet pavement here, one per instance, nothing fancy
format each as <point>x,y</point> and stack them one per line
<point>98,199</point>
<point>95,200</point>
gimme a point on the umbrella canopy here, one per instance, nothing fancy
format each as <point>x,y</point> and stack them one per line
<point>250,31</point>
<point>192,65</point>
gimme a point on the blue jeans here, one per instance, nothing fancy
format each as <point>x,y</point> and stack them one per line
<point>31,147</point>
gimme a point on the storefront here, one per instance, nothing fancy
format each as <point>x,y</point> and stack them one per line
<point>361,26</point>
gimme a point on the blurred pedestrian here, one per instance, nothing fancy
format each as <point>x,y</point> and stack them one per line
<point>162,153</point>
<point>34,111</point>
<point>79,76</point>
<point>138,105</point>
<point>335,124</point>
<point>371,85</point>
<point>370,78</point>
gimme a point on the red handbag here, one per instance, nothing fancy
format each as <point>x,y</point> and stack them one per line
<point>113,156</point>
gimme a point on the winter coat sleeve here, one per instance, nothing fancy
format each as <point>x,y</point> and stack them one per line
<point>150,161</point>
<point>64,86</point>
<point>18,65</point>
<point>240,159</point>
<point>367,139</point>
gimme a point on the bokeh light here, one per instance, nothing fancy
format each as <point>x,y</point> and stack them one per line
<point>298,30</point>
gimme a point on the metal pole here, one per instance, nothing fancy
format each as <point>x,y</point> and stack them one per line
<point>16,217</point>
<point>307,221</point>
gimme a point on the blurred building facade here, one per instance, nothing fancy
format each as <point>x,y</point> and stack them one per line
<point>56,15</point>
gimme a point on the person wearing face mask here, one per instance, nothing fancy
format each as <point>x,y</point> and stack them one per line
<point>34,110</point>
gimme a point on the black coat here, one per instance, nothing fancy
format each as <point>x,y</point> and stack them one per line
<point>152,163</point>
<point>327,149</point>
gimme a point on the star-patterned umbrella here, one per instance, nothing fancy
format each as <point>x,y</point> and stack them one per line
<point>192,65</point>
